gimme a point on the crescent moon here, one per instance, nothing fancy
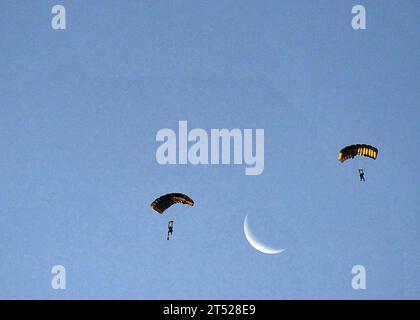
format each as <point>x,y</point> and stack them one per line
<point>255,243</point>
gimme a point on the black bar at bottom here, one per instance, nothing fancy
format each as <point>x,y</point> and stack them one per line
<point>208,309</point>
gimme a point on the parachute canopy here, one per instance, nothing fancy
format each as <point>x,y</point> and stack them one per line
<point>164,202</point>
<point>357,150</point>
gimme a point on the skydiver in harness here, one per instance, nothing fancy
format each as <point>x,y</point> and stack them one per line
<point>170,229</point>
<point>362,175</point>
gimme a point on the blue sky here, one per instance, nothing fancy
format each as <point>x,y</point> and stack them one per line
<point>80,109</point>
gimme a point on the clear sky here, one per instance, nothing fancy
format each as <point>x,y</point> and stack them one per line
<point>80,109</point>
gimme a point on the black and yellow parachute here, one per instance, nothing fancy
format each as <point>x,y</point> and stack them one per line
<point>363,150</point>
<point>164,202</point>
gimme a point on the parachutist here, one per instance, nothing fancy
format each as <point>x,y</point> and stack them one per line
<point>362,175</point>
<point>170,229</point>
<point>164,202</point>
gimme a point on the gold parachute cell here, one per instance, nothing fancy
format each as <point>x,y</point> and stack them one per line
<point>353,150</point>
